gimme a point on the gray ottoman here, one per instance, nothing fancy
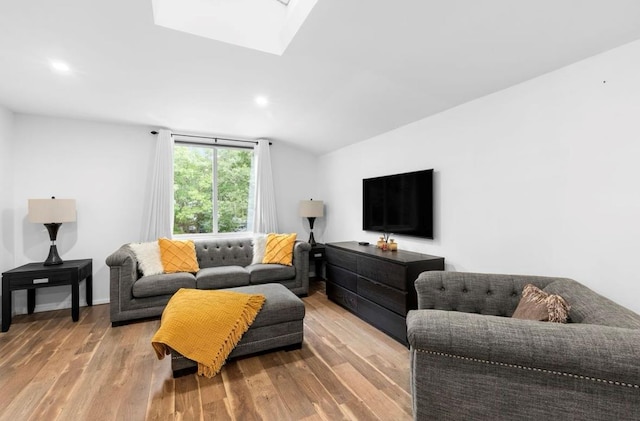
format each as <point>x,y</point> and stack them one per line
<point>278,325</point>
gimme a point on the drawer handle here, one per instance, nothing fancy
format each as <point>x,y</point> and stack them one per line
<point>41,281</point>
<point>317,255</point>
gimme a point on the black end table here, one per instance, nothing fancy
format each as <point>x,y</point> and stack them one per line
<point>317,255</point>
<point>36,275</point>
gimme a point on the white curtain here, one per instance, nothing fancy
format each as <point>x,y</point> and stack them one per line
<point>264,218</point>
<point>159,213</point>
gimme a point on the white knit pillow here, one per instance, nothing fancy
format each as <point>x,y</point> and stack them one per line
<point>259,243</point>
<point>148,256</point>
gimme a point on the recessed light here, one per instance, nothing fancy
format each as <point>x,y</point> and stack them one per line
<point>262,101</point>
<point>60,66</point>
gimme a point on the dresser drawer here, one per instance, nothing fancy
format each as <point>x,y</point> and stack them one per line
<point>342,277</point>
<point>383,319</point>
<point>384,272</point>
<point>390,298</point>
<point>340,258</point>
<point>343,297</point>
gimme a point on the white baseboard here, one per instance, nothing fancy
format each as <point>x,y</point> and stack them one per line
<point>66,304</point>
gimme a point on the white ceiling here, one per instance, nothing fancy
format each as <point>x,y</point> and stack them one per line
<point>355,69</point>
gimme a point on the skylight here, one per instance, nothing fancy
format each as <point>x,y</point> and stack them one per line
<point>256,24</point>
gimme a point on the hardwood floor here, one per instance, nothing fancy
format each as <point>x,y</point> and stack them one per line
<point>52,368</point>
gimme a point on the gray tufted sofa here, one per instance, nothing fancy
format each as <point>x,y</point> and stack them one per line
<point>470,360</point>
<point>224,263</point>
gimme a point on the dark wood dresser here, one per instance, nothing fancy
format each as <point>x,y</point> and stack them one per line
<point>376,285</point>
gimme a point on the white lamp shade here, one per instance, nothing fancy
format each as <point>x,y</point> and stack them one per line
<point>311,208</point>
<point>47,211</point>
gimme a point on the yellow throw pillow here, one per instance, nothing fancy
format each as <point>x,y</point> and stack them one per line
<point>178,256</point>
<point>279,249</point>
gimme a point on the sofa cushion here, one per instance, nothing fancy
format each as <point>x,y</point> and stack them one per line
<point>265,273</point>
<point>178,256</point>
<point>222,277</point>
<point>279,249</point>
<point>163,284</point>
<point>281,306</point>
<point>542,306</point>
<point>224,252</point>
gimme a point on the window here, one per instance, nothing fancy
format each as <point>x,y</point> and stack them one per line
<point>211,188</point>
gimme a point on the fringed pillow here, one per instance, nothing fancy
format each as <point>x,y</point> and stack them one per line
<point>259,243</point>
<point>536,304</point>
<point>148,257</point>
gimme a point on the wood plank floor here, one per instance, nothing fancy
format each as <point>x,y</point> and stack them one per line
<point>54,369</point>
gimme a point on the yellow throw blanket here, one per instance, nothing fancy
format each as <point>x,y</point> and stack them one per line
<point>205,325</point>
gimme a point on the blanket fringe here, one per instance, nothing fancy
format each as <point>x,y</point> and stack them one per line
<point>241,326</point>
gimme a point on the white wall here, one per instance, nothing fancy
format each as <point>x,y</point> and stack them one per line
<point>6,187</point>
<point>541,178</point>
<point>105,168</point>
<point>294,179</point>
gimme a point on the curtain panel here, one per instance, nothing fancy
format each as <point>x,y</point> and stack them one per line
<point>158,221</point>
<point>265,218</point>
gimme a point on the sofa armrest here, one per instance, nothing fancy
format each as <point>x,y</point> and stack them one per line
<point>301,251</point>
<point>123,272</point>
<point>599,353</point>
<point>482,293</point>
<point>301,264</point>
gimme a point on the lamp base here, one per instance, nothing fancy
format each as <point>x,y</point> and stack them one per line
<point>312,240</point>
<point>54,257</point>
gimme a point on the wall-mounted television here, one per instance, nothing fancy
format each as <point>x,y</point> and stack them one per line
<point>399,204</point>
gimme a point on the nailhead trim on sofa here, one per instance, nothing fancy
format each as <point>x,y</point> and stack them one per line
<point>522,367</point>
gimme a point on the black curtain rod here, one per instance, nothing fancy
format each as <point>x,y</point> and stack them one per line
<point>211,137</point>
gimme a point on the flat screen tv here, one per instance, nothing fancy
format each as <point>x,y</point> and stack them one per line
<point>399,204</point>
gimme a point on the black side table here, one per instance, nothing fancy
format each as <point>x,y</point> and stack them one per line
<point>36,275</point>
<point>317,255</point>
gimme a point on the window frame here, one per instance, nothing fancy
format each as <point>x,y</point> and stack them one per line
<point>215,147</point>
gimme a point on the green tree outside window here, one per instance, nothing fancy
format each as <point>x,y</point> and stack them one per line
<point>211,189</point>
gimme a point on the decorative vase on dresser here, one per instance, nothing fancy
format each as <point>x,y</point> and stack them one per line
<point>376,285</point>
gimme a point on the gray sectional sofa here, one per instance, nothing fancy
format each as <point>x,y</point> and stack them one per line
<point>471,360</point>
<point>223,262</point>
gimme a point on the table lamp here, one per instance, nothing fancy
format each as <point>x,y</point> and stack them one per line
<point>52,213</point>
<point>311,209</point>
